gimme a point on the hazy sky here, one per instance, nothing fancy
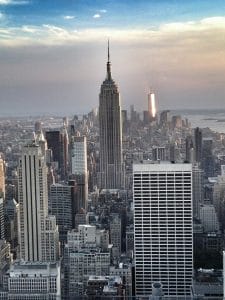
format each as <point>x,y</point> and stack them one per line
<point>53,53</point>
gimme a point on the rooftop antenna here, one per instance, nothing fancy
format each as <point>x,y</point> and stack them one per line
<point>109,76</point>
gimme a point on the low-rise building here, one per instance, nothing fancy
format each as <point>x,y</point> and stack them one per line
<point>32,280</point>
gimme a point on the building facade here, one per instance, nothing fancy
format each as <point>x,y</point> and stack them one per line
<point>2,178</point>
<point>83,256</point>
<point>29,280</point>
<point>163,227</point>
<point>33,201</point>
<point>79,169</point>
<point>60,205</point>
<point>110,124</point>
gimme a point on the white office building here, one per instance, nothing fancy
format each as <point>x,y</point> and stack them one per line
<point>163,227</point>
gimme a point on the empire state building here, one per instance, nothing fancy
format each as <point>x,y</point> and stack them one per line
<point>110,133</point>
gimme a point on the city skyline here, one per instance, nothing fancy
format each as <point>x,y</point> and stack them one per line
<point>174,49</point>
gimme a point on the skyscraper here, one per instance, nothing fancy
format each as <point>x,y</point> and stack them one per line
<point>151,106</point>
<point>58,142</point>
<point>198,144</point>
<point>2,223</point>
<point>207,162</point>
<point>60,204</point>
<point>2,178</point>
<point>163,227</point>
<point>35,227</point>
<point>79,169</point>
<point>197,188</point>
<point>110,133</point>
<point>189,155</point>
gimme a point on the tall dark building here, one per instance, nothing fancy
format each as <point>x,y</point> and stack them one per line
<point>207,157</point>
<point>189,147</point>
<point>61,206</point>
<point>54,143</point>
<point>110,133</point>
<point>57,141</point>
<point>198,144</point>
<point>197,191</point>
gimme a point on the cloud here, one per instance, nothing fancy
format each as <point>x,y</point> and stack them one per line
<point>29,29</point>
<point>183,62</point>
<point>14,2</point>
<point>5,2</point>
<point>97,16</point>
<point>68,17</point>
<point>171,35</point>
<point>103,11</point>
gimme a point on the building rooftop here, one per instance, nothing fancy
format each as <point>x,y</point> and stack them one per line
<point>33,269</point>
<point>162,167</point>
<point>110,279</point>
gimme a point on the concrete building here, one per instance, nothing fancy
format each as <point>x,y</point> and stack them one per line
<point>57,141</point>
<point>105,287</point>
<point>208,284</point>
<point>110,125</point>
<point>2,220</point>
<point>219,197</point>
<point>79,169</point>
<point>163,239</point>
<point>2,178</point>
<point>33,200</point>
<point>198,144</point>
<point>32,280</point>
<point>207,162</point>
<point>83,256</point>
<point>197,189</point>
<point>5,259</point>
<point>158,153</point>
<point>79,155</point>
<point>12,223</point>
<point>125,273</point>
<point>60,206</point>
<point>82,264</point>
<point>130,241</point>
<point>209,218</point>
<point>115,235</point>
<point>164,118</point>
<point>189,149</point>
<point>223,273</point>
<point>176,122</point>
<point>80,218</point>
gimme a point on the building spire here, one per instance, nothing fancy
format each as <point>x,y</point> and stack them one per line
<point>109,76</point>
<point>108,52</point>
